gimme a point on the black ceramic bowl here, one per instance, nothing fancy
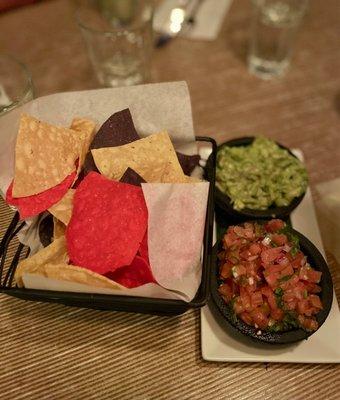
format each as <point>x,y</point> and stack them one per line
<point>226,317</point>
<point>224,203</point>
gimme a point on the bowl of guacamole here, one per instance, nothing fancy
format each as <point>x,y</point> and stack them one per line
<point>258,178</point>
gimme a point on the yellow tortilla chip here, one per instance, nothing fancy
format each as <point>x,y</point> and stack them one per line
<point>63,209</point>
<point>55,253</point>
<point>58,228</point>
<point>153,158</point>
<point>193,179</point>
<point>72,273</point>
<point>50,262</point>
<point>87,128</point>
<point>44,156</point>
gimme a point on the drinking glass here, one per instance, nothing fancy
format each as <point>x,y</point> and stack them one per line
<point>274,27</point>
<point>118,36</point>
<point>16,86</point>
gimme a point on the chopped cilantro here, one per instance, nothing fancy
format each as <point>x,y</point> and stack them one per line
<point>285,278</point>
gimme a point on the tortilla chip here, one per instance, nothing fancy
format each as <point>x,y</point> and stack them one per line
<point>45,229</point>
<point>188,163</point>
<point>59,229</point>
<point>117,130</point>
<point>149,157</point>
<point>55,253</point>
<point>33,205</point>
<point>63,209</point>
<point>131,177</point>
<point>108,223</point>
<point>87,127</point>
<point>136,274</point>
<point>193,179</point>
<point>73,273</point>
<point>44,156</point>
<point>51,262</point>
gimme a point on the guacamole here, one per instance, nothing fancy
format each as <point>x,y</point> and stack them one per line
<point>260,175</point>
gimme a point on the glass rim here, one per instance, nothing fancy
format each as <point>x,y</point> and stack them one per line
<point>109,32</point>
<point>28,84</point>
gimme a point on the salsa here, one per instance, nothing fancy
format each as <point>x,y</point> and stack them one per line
<point>260,176</point>
<point>266,278</point>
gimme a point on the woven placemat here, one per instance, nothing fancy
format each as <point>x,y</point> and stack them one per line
<point>51,351</point>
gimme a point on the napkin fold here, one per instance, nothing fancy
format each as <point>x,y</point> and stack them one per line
<point>208,20</point>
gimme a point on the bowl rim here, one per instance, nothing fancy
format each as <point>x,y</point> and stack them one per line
<point>223,200</point>
<point>224,318</point>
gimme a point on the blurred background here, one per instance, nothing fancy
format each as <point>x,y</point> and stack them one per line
<point>217,50</point>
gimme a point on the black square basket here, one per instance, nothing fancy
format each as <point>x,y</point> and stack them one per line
<point>112,302</point>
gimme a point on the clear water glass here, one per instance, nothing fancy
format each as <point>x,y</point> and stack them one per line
<point>118,36</point>
<point>16,87</point>
<point>274,27</point>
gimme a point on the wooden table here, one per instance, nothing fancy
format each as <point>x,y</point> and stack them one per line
<point>53,352</point>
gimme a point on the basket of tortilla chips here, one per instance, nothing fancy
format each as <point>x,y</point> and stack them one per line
<point>108,215</point>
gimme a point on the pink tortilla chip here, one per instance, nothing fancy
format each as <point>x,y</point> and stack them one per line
<point>136,274</point>
<point>33,205</point>
<point>108,223</point>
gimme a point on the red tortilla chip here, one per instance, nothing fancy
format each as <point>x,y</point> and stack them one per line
<point>33,205</point>
<point>108,223</point>
<point>143,248</point>
<point>136,274</point>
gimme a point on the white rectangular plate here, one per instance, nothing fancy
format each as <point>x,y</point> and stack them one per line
<point>321,347</point>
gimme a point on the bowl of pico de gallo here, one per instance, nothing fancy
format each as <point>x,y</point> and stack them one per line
<point>269,282</point>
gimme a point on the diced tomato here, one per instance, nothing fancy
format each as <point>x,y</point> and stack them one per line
<point>272,278</point>
<point>312,287</point>
<point>270,255</point>
<point>245,254</point>
<point>225,270</point>
<point>259,318</point>
<point>229,239</point>
<point>256,299</point>
<point>239,270</point>
<point>314,276</point>
<point>265,308</point>
<point>293,280</point>
<point>303,273</point>
<point>242,232</point>
<point>255,248</point>
<point>298,260</point>
<point>315,301</point>
<point>304,308</point>
<point>291,305</point>
<point>283,260</point>
<point>286,271</point>
<point>246,318</point>
<point>238,306</point>
<point>289,296</point>
<point>226,291</point>
<point>245,297</point>
<point>277,314</point>
<point>266,291</point>
<point>309,324</point>
<point>279,239</point>
<point>274,225</point>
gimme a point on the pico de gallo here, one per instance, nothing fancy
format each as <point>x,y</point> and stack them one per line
<point>266,278</point>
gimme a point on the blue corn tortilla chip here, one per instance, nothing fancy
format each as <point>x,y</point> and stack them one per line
<point>45,229</point>
<point>117,130</point>
<point>188,163</point>
<point>130,176</point>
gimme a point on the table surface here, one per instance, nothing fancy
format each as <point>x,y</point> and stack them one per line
<point>53,352</point>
